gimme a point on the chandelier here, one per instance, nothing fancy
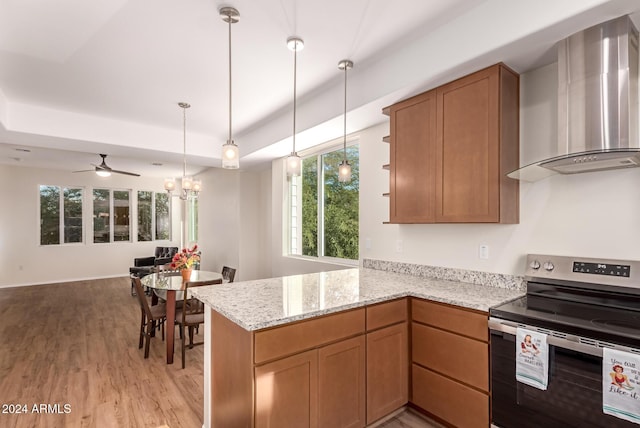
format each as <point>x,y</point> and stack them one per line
<point>189,187</point>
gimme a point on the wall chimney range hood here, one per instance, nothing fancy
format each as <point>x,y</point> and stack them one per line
<point>597,103</point>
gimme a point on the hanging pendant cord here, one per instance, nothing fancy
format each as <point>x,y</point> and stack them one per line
<point>230,113</point>
<point>184,141</point>
<point>295,64</point>
<point>345,113</point>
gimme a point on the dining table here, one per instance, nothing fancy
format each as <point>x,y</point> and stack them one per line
<point>171,283</point>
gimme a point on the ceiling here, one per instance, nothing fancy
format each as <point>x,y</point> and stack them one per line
<point>79,78</point>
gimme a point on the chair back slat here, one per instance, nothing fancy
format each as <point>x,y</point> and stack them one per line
<point>144,303</point>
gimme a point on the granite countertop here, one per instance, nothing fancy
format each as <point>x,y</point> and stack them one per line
<point>259,304</point>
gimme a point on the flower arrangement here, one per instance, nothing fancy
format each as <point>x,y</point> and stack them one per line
<point>185,259</point>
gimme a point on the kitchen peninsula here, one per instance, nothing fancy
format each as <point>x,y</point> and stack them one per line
<point>334,348</point>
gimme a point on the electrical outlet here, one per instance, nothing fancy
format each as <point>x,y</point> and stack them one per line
<point>399,246</point>
<point>483,251</point>
<point>367,243</point>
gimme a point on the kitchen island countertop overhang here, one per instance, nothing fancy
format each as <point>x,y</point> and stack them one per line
<point>260,304</point>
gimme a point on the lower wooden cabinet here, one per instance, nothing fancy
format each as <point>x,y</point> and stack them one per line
<point>341,384</point>
<point>287,392</point>
<point>387,371</point>
<point>323,387</point>
<point>457,404</point>
<point>450,363</point>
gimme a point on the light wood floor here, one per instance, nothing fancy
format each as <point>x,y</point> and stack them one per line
<point>77,344</point>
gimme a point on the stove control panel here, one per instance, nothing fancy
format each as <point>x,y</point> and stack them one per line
<point>621,273</point>
<point>602,269</point>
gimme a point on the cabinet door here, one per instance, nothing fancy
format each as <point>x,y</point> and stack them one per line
<point>468,149</point>
<point>341,371</point>
<point>412,160</point>
<point>387,371</point>
<point>448,400</point>
<point>286,392</point>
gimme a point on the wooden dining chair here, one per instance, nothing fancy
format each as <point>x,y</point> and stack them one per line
<point>150,315</point>
<point>228,273</point>
<point>191,315</point>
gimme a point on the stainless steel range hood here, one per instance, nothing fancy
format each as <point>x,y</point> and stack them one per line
<point>597,103</point>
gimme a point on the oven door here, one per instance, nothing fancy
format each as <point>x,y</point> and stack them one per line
<point>574,394</point>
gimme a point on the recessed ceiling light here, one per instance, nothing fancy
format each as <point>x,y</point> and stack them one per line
<point>156,164</point>
<point>23,150</point>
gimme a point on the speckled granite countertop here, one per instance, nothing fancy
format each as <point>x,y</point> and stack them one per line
<point>259,304</point>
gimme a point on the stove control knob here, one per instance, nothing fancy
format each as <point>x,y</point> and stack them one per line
<point>548,266</point>
<point>535,265</point>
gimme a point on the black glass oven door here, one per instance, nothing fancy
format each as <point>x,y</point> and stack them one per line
<point>573,397</point>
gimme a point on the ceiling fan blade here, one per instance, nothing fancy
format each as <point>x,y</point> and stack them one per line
<point>125,173</point>
<point>85,170</point>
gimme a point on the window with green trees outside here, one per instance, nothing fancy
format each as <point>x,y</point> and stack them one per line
<point>323,211</point>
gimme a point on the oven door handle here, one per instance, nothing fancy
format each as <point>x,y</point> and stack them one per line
<point>570,342</point>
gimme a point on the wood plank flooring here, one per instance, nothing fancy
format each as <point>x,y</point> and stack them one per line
<point>76,344</point>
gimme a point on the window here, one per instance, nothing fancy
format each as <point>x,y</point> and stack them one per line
<point>192,221</point>
<point>153,214</point>
<point>111,220</point>
<point>323,211</point>
<point>145,216</point>
<point>60,215</point>
<point>163,216</point>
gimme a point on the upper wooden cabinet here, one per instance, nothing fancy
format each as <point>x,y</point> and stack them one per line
<point>451,149</point>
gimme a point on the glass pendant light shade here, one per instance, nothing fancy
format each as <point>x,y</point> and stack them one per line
<point>344,172</point>
<point>294,165</point>
<point>197,186</point>
<point>230,156</point>
<point>169,184</point>
<point>187,183</point>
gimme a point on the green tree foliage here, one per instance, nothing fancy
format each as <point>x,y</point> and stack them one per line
<point>340,206</point>
<point>49,215</point>
<point>310,206</point>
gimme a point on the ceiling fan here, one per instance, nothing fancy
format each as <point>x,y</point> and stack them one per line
<point>104,170</point>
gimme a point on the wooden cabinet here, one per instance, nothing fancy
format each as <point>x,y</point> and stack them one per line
<point>287,392</point>
<point>387,358</point>
<point>322,383</point>
<point>451,149</point>
<point>341,384</point>
<point>450,363</point>
<point>413,160</point>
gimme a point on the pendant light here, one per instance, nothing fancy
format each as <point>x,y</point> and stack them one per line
<point>294,163</point>
<point>190,187</point>
<point>344,170</point>
<point>230,152</point>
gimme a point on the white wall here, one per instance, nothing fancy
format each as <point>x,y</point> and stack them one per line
<point>590,215</point>
<point>24,261</point>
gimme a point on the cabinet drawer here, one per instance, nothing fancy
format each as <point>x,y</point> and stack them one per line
<point>461,321</point>
<point>461,358</point>
<point>455,403</point>
<point>385,314</point>
<point>291,338</point>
